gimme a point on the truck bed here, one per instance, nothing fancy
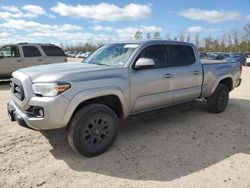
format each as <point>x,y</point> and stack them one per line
<point>214,69</point>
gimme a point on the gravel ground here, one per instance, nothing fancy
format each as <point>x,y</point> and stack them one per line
<point>168,148</point>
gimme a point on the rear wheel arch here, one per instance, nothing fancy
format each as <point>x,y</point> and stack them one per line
<point>218,101</point>
<point>227,82</point>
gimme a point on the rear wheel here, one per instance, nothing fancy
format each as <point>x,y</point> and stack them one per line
<point>92,130</point>
<point>219,100</point>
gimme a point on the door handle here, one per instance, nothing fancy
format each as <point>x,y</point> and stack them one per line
<point>19,61</point>
<point>168,75</point>
<point>196,72</point>
<point>39,60</point>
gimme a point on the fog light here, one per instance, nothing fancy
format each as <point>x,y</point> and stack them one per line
<point>38,112</point>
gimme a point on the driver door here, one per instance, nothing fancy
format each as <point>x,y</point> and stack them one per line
<point>151,87</point>
<point>10,60</point>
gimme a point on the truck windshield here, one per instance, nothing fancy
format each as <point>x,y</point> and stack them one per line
<point>115,55</point>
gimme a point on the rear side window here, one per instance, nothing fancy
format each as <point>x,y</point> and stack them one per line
<point>180,55</point>
<point>157,53</point>
<point>53,51</point>
<point>31,51</point>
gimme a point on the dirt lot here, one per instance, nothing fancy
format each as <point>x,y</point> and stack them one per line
<point>165,149</point>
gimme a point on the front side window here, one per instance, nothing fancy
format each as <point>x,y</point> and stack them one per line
<point>155,52</point>
<point>180,55</point>
<point>10,51</point>
<point>31,51</point>
<point>112,55</point>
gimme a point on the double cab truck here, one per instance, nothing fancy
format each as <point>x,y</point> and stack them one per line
<point>116,81</point>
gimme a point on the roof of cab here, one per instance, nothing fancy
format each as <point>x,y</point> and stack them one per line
<point>26,43</point>
<point>149,41</point>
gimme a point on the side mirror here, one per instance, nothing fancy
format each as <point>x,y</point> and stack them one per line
<point>144,63</point>
<point>1,55</point>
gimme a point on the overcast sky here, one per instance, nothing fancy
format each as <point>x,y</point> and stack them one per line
<point>75,21</point>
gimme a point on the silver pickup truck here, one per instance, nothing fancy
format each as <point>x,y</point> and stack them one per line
<point>116,81</point>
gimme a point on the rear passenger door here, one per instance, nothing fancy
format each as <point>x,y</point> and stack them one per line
<point>186,72</point>
<point>32,56</point>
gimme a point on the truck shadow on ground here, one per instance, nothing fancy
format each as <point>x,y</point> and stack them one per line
<point>4,85</point>
<point>165,145</point>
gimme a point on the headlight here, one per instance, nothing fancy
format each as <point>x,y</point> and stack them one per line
<point>49,89</point>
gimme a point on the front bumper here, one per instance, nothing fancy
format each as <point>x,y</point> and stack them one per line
<point>15,114</point>
<point>54,111</point>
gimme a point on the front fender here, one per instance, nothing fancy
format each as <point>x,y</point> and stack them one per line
<point>94,93</point>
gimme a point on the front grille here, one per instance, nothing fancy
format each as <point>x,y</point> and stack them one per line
<point>17,88</point>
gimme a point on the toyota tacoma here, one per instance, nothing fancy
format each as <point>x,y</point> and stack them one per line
<point>116,81</point>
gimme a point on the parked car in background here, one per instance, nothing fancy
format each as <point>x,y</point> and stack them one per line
<point>85,55</point>
<point>79,55</point>
<point>21,55</point>
<point>214,55</point>
<point>236,57</point>
<point>247,59</point>
<point>67,53</point>
<point>72,54</point>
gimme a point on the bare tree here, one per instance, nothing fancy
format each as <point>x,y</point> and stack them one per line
<point>223,43</point>
<point>138,35</point>
<point>188,37</point>
<point>167,36</point>
<point>209,43</point>
<point>197,40</point>
<point>229,39</point>
<point>149,36</point>
<point>246,32</point>
<point>235,35</point>
<point>181,36</point>
<point>157,35</point>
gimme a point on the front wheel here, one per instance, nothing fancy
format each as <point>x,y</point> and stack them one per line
<point>92,130</point>
<point>219,99</point>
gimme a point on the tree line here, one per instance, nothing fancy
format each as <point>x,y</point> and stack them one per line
<point>236,40</point>
<point>83,47</point>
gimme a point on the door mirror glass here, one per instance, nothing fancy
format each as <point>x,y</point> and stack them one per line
<point>144,63</point>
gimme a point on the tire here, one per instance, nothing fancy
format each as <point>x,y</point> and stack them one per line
<point>92,130</point>
<point>219,99</point>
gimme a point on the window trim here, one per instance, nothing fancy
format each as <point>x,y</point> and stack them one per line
<point>151,68</point>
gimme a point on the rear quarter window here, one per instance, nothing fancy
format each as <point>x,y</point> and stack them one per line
<point>180,55</point>
<point>53,51</point>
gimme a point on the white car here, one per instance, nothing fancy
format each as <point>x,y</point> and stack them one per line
<point>79,55</point>
<point>248,61</point>
<point>21,55</point>
<point>85,55</point>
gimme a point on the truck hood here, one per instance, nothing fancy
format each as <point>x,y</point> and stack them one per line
<point>61,71</point>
